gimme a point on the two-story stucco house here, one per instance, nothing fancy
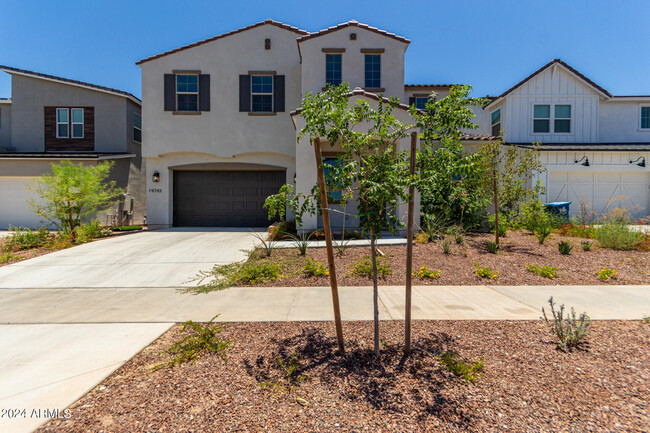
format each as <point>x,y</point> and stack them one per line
<point>50,119</point>
<point>222,121</point>
<point>594,144</point>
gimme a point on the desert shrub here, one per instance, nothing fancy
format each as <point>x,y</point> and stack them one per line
<point>468,371</point>
<point>204,339</point>
<point>544,271</point>
<point>91,230</point>
<point>607,274</point>
<point>259,272</point>
<point>432,226</point>
<point>223,276</point>
<point>301,242</point>
<point>421,238</point>
<point>446,246</point>
<point>615,233</point>
<point>485,272</point>
<point>7,256</point>
<point>26,239</point>
<point>533,214</point>
<point>292,370</point>
<point>492,247</point>
<point>576,231</point>
<point>266,244</point>
<point>542,231</point>
<point>586,245</point>
<point>425,272</point>
<point>126,228</point>
<point>564,248</point>
<point>314,268</point>
<point>568,331</point>
<point>363,267</point>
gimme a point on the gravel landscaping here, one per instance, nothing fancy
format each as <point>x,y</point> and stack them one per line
<point>527,385</point>
<point>517,250</point>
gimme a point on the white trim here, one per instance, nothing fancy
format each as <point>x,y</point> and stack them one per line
<point>132,98</point>
<point>67,123</point>
<point>551,119</point>
<point>73,123</point>
<point>272,94</point>
<point>5,101</point>
<point>187,93</point>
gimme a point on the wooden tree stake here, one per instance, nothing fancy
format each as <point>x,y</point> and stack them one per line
<point>328,243</point>
<point>409,250</point>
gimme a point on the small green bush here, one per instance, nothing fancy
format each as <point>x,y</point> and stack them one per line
<point>543,231</point>
<point>221,277</point>
<point>533,214</point>
<point>204,339</point>
<point>565,248</point>
<point>363,267</point>
<point>568,331</point>
<point>259,272</point>
<point>446,246</point>
<point>90,231</point>
<point>7,256</point>
<point>485,272</point>
<point>314,268</point>
<point>617,235</point>
<point>586,245</point>
<point>26,239</point>
<point>607,274</point>
<point>292,369</point>
<point>126,228</point>
<point>492,247</point>
<point>544,271</point>
<point>468,371</point>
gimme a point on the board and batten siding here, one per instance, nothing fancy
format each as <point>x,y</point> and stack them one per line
<point>553,86</point>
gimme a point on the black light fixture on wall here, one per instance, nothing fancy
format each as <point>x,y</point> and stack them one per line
<point>156,176</point>
<point>640,161</point>
<point>585,159</point>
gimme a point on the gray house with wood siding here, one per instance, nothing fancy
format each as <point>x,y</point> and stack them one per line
<point>49,119</point>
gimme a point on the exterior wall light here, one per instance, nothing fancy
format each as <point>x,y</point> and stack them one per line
<point>640,161</point>
<point>585,163</point>
<point>156,176</point>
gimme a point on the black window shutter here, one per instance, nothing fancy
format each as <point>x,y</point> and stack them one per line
<point>411,101</point>
<point>244,93</point>
<point>278,93</point>
<point>204,92</point>
<point>170,92</point>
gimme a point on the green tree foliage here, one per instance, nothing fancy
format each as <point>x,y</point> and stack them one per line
<point>450,176</point>
<point>73,193</point>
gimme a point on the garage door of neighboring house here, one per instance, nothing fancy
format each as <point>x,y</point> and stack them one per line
<point>14,207</point>
<point>224,198</point>
<point>602,191</point>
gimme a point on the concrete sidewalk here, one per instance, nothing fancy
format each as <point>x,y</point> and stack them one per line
<point>165,305</point>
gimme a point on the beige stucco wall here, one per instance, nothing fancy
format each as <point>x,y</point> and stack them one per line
<point>353,60</point>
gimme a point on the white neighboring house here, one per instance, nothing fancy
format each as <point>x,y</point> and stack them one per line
<point>594,145</point>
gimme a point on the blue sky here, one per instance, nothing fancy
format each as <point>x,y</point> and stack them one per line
<point>489,44</point>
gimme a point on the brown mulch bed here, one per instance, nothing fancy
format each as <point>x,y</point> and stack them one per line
<point>528,385</point>
<point>517,250</point>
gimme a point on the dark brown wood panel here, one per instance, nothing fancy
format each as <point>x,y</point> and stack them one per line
<point>224,198</point>
<point>53,144</point>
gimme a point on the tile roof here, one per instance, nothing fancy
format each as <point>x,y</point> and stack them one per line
<point>478,137</point>
<point>426,86</point>
<point>10,70</point>
<point>64,155</point>
<point>224,35</point>
<point>353,23</point>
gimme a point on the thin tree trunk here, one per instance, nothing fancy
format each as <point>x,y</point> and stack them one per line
<point>496,205</point>
<point>71,222</point>
<point>409,251</point>
<point>328,243</point>
<point>375,289</point>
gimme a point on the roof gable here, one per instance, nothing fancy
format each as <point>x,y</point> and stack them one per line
<point>225,35</point>
<point>352,23</point>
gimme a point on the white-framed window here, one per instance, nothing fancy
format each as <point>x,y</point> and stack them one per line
<point>62,123</point>
<point>137,128</point>
<point>552,119</point>
<point>645,118</point>
<point>496,123</point>
<point>77,116</point>
<point>421,102</point>
<point>187,92</point>
<point>262,93</point>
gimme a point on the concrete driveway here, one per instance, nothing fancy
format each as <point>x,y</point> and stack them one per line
<point>161,258</point>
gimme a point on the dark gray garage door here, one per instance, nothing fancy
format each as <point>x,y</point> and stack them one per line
<point>224,198</point>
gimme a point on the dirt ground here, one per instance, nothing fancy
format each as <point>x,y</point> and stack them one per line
<point>527,384</point>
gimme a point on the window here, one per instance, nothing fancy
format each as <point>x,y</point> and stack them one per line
<point>421,102</point>
<point>645,117</point>
<point>542,118</point>
<point>333,69</point>
<point>187,92</point>
<point>62,125</point>
<point>137,128</point>
<point>562,119</point>
<point>77,122</point>
<point>373,71</point>
<point>262,93</point>
<point>496,123</point>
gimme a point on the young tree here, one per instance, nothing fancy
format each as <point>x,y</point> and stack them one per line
<point>72,193</point>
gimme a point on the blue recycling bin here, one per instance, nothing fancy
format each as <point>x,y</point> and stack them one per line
<point>558,207</point>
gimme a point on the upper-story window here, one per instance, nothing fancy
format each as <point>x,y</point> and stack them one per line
<point>137,128</point>
<point>187,92</point>
<point>262,93</point>
<point>645,117</point>
<point>333,69</point>
<point>373,71</point>
<point>496,123</point>
<point>557,115</point>
<point>421,102</point>
<point>69,119</point>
